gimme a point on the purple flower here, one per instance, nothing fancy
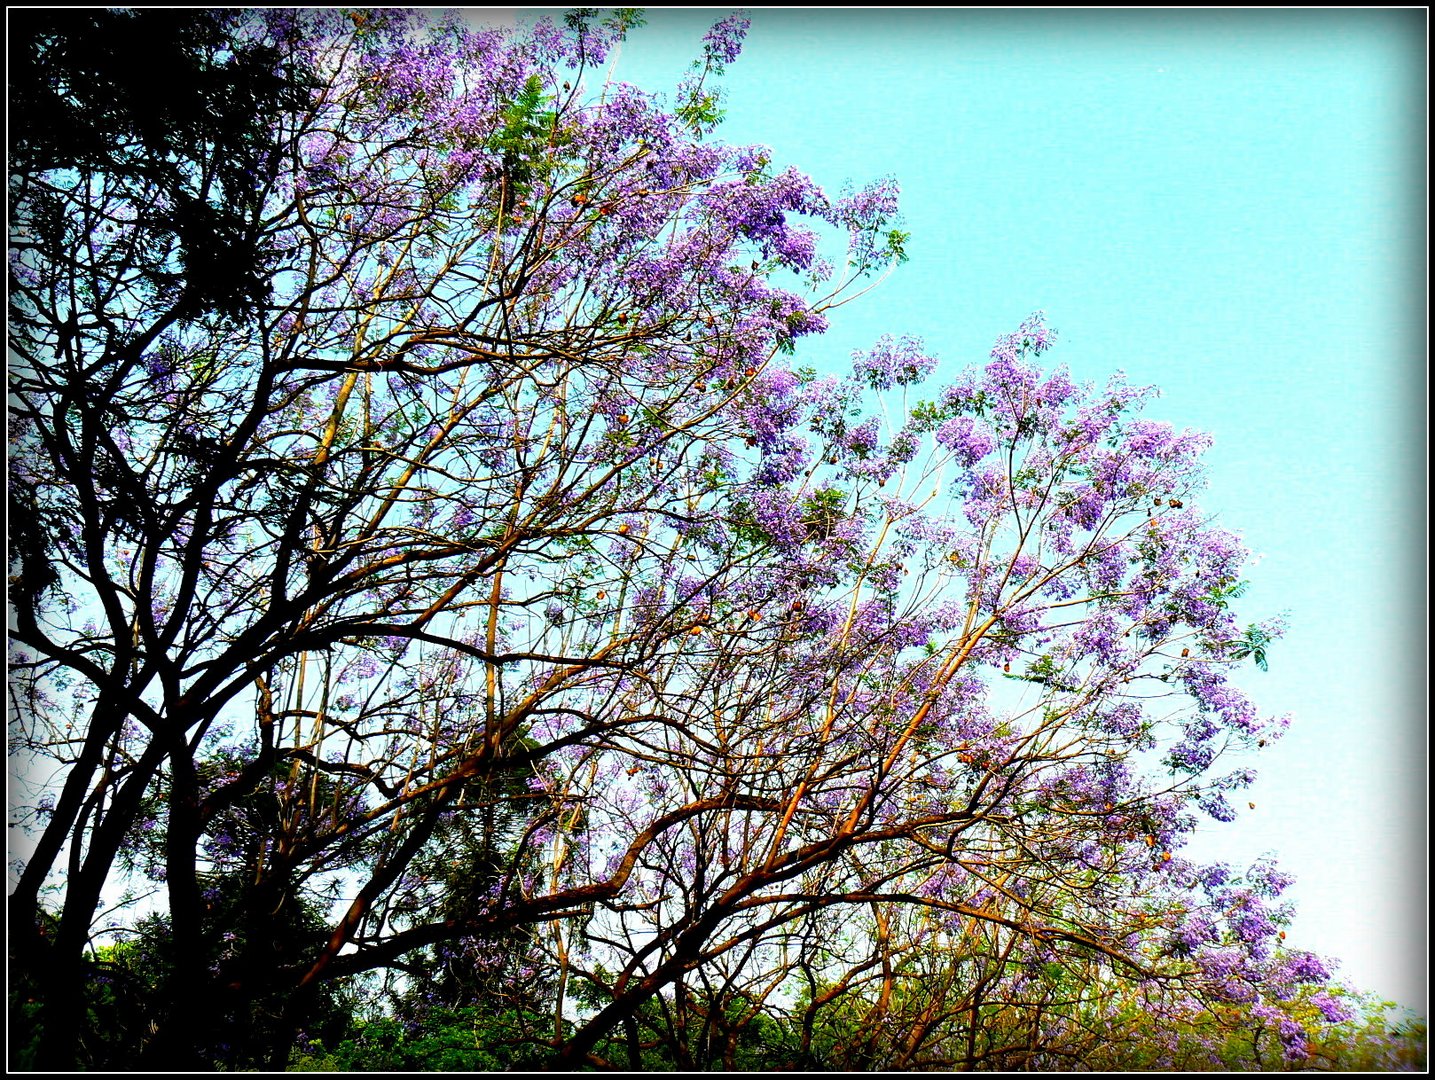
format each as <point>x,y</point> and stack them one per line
<point>862,440</point>
<point>1033,335</point>
<point>723,42</point>
<point>969,440</point>
<point>1333,1010</point>
<point>1303,967</point>
<point>893,362</point>
<point>1215,804</point>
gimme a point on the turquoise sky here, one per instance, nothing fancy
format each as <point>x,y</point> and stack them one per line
<point>1228,204</point>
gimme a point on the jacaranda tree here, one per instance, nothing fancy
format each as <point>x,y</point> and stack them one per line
<point>434,566</point>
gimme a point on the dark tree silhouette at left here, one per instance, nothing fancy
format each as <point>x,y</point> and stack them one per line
<point>174,115</point>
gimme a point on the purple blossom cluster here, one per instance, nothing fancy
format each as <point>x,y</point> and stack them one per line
<point>893,362</point>
<point>968,438</point>
<point>723,42</point>
<point>1032,336</point>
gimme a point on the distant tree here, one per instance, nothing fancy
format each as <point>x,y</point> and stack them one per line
<point>424,529</point>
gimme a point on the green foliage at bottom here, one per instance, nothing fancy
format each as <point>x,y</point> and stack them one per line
<point>448,1040</point>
